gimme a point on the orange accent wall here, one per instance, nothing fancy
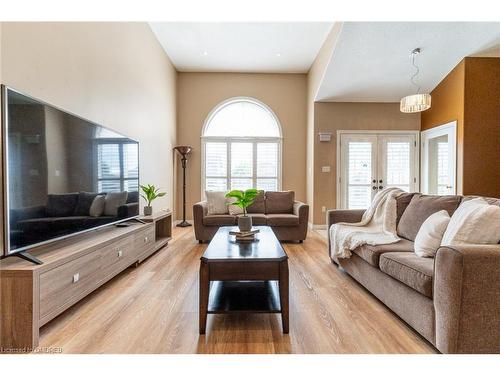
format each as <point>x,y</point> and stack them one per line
<point>481,164</point>
<point>470,95</point>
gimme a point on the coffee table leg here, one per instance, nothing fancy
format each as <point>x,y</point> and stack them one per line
<point>284,295</point>
<point>204,292</point>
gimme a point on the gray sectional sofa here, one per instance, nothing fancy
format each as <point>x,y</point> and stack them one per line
<point>278,209</point>
<point>453,300</point>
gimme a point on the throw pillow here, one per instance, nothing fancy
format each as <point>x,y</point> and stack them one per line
<point>233,210</point>
<point>84,202</point>
<point>430,234</point>
<point>474,222</point>
<point>216,202</point>
<point>112,201</point>
<point>61,205</point>
<point>420,208</point>
<point>97,207</point>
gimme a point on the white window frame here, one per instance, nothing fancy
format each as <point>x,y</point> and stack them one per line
<point>228,140</point>
<point>340,193</point>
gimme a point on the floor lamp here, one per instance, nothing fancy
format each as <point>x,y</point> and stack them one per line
<point>183,151</point>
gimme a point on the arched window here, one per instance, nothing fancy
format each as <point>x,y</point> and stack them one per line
<point>241,147</point>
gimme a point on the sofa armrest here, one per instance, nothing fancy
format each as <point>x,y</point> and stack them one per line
<point>128,210</point>
<point>200,210</point>
<point>467,298</point>
<point>25,213</point>
<point>341,216</point>
<point>301,210</point>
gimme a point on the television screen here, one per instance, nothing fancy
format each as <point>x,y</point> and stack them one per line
<point>63,174</point>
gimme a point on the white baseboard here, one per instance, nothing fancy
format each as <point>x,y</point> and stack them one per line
<point>316,226</point>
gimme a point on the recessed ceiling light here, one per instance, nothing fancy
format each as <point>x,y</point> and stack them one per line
<point>205,53</point>
<point>278,54</point>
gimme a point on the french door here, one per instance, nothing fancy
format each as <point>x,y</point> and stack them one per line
<point>371,161</point>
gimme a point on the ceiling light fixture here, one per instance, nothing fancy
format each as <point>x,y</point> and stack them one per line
<point>278,54</point>
<point>205,53</point>
<point>417,102</point>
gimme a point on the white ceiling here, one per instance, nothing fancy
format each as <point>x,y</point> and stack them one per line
<point>284,47</point>
<point>371,61</point>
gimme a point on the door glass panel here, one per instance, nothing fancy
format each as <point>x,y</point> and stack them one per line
<point>398,165</point>
<point>439,177</point>
<point>359,172</point>
<point>359,197</point>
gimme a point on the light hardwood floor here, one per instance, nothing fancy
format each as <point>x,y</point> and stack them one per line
<point>154,309</point>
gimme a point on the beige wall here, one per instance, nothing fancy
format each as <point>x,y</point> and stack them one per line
<point>285,94</point>
<point>330,117</point>
<point>115,74</point>
<point>314,78</point>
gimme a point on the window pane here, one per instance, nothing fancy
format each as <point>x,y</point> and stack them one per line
<point>216,184</point>
<point>243,118</point>
<point>108,160</point>
<point>241,183</point>
<point>359,196</point>
<point>267,160</point>
<point>131,185</point>
<point>398,163</point>
<point>241,159</point>
<point>108,185</point>
<point>216,159</point>
<point>267,184</point>
<point>131,160</point>
<point>360,162</point>
<point>442,168</point>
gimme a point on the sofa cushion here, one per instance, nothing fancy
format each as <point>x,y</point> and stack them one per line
<point>258,206</point>
<point>219,220</point>
<point>402,202</point>
<point>420,208</point>
<point>59,205</point>
<point>371,253</point>
<point>279,202</point>
<point>216,202</point>
<point>495,201</point>
<point>282,220</point>
<point>84,203</point>
<point>411,270</point>
<point>257,219</point>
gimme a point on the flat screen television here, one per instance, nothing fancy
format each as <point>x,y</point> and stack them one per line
<point>63,175</point>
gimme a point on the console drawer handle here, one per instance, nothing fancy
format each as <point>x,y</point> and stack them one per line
<point>76,278</point>
<point>119,253</point>
<point>146,239</point>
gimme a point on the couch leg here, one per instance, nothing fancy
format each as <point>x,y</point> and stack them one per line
<point>301,241</point>
<point>200,241</point>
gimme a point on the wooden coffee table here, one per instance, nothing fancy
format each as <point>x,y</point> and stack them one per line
<point>240,277</point>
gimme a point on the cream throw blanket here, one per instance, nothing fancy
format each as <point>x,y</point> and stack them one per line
<point>377,226</point>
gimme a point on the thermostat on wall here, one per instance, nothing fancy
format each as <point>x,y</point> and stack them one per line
<point>325,137</point>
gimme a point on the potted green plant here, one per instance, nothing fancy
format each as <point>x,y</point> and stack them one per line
<point>243,199</point>
<point>150,194</point>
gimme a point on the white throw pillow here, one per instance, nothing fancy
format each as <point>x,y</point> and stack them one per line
<point>97,206</point>
<point>233,210</point>
<point>474,222</point>
<point>216,202</point>
<point>430,234</point>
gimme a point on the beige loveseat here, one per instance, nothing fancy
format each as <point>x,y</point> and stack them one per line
<point>277,209</point>
<point>453,300</point>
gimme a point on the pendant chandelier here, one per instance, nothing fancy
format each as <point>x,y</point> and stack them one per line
<point>417,102</point>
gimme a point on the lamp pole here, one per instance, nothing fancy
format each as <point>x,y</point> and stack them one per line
<point>183,151</point>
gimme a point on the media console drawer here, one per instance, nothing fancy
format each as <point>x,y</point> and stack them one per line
<point>63,284</point>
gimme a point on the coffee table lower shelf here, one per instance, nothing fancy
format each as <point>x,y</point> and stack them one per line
<point>228,297</point>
